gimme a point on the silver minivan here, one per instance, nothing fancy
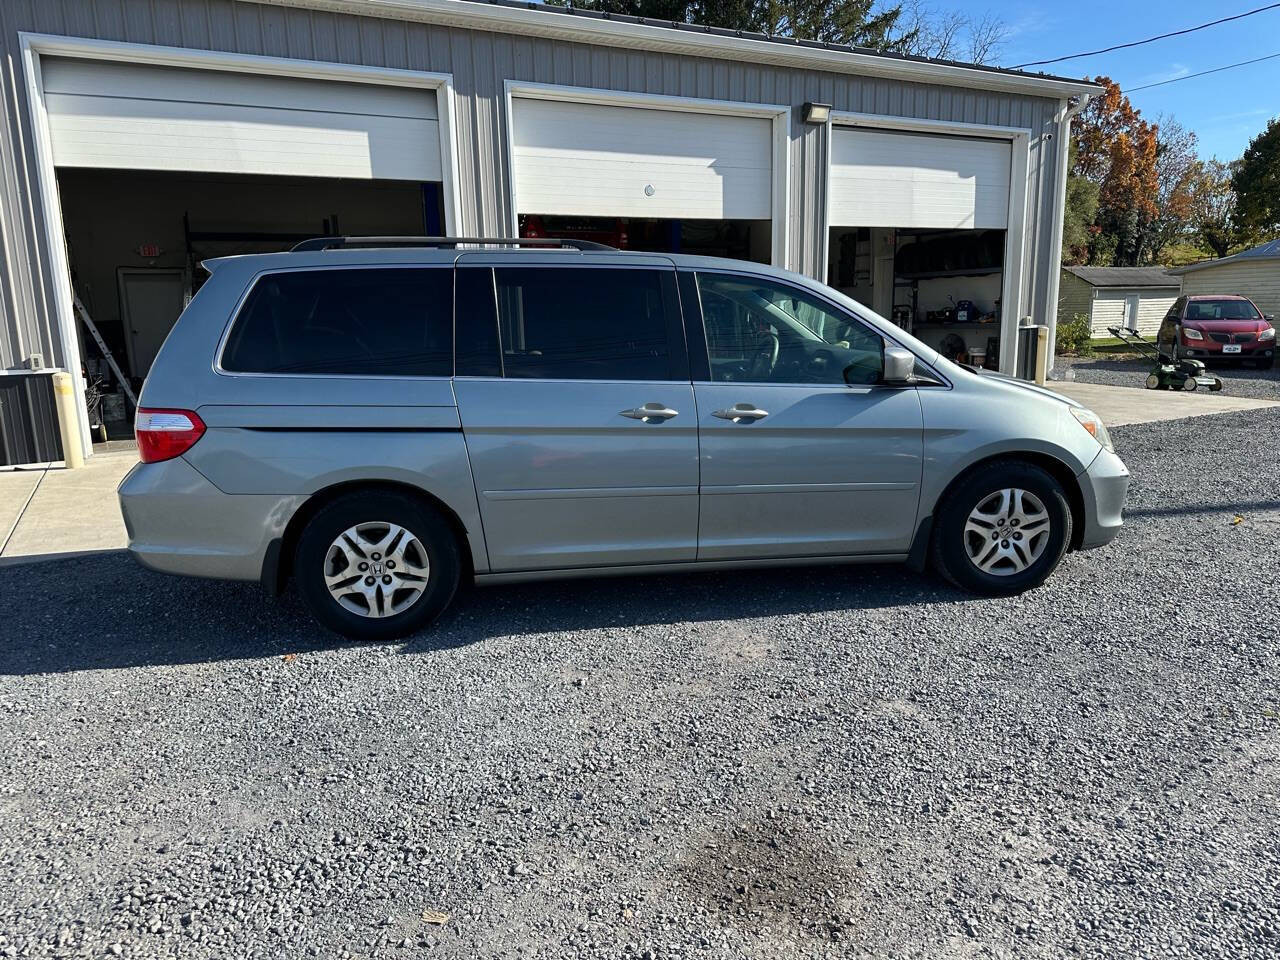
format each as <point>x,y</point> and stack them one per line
<point>376,419</point>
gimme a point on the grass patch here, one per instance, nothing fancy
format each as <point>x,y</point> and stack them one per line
<point>1114,347</point>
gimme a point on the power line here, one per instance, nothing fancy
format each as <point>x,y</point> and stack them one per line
<point>1138,43</point>
<point>1203,73</point>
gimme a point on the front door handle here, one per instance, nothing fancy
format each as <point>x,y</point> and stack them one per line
<point>650,413</point>
<point>741,413</point>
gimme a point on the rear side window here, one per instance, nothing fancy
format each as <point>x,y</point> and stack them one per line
<point>376,322</point>
<point>589,323</point>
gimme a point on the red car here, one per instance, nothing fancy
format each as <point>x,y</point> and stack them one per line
<point>1218,327</point>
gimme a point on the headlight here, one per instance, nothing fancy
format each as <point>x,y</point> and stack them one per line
<point>1267,334</point>
<point>1189,334</point>
<point>1093,423</point>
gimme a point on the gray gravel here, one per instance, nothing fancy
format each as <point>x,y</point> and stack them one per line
<point>815,762</point>
<point>1238,380</point>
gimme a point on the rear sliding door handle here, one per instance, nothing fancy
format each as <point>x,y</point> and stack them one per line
<point>741,413</point>
<point>650,413</point>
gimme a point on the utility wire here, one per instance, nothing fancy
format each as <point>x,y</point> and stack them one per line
<point>1138,43</point>
<point>1202,73</point>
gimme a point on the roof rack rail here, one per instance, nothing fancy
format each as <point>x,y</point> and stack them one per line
<point>339,243</point>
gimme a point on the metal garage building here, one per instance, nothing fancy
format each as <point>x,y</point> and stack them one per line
<point>141,137</point>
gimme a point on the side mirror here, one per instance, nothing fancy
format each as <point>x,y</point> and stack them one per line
<point>899,367</point>
<point>1269,319</point>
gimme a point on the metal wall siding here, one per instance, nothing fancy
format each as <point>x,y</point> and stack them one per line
<point>480,63</point>
<point>28,420</point>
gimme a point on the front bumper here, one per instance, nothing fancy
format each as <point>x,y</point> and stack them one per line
<point>1211,350</point>
<point>1104,487</point>
<point>179,522</point>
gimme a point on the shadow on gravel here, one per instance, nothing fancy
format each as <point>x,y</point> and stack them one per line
<point>106,612</point>
<point>648,600</point>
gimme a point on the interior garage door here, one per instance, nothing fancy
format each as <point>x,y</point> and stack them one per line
<point>128,116</point>
<point>586,159</point>
<point>909,180</point>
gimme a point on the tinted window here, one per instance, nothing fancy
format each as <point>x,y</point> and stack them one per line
<point>476,324</point>
<point>762,331</point>
<point>588,323</point>
<point>378,322</point>
<point>1221,310</point>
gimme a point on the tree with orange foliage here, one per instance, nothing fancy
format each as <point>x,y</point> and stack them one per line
<point>1118,150</point>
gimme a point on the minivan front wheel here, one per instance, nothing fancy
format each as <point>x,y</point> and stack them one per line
<point>1002,529</point>
<point>376,565</point>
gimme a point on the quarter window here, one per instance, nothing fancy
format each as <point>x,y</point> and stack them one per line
<point>588,323</point>
<point>371,322</point>
<point>761,331</point>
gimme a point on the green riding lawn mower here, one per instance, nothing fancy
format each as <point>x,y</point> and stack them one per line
<point>1168,373</point>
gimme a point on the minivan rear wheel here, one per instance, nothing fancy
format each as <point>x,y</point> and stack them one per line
<point>1002,529</point>
<point>376,565</point>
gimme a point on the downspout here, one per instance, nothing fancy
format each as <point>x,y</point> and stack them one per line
<point>1069,109</point>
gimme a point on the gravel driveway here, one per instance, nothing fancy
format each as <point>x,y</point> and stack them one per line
<point>812,762</point>
<point>1237,380</point>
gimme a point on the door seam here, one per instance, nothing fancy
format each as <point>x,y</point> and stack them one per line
<point>466,448</point>
<point>697,515</point>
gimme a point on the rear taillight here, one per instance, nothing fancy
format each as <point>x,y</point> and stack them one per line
<point>165,434</point>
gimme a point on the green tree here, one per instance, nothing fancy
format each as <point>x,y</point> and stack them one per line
<point>1256,182</point>
<point>862,23</point>
<point>856,22</point>
<point>1079,216</point>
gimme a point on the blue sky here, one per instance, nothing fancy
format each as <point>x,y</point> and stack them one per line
<point>1225,110</point>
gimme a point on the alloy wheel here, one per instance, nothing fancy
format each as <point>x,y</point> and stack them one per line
<point>1006,532</point>
<point>376,569</point>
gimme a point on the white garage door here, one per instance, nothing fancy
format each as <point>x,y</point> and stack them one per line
<point>587,159</point>
<point>915,180</point>
<point>129,116</point>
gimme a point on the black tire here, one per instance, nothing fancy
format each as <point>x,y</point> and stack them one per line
<point>951,559</point>
<point>377,507</point>
<point>1267,363</point>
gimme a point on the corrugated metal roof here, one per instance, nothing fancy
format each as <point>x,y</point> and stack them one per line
<point>1263,251</point>
<point>1124,276</point>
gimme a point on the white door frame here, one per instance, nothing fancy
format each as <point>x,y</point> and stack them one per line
<point>1015,241</point>
<point>37,45</point>
<point>779,114</point>
<point>1134,301</point>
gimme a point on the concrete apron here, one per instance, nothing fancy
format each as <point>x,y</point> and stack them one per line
<point>49,512</point>
<point>1118,406</point>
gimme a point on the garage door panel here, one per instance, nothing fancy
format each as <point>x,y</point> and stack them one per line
<point>581,187</point>
<point>917,181</point>
<point>597,160</point>
<point>256,130</point>
<point>105,78</point>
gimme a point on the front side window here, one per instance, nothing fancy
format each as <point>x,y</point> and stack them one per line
<point>389,322</point>
<point>587,323</point>
<point>763,331</point>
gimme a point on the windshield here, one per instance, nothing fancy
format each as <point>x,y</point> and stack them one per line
<point>1221,310</point>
